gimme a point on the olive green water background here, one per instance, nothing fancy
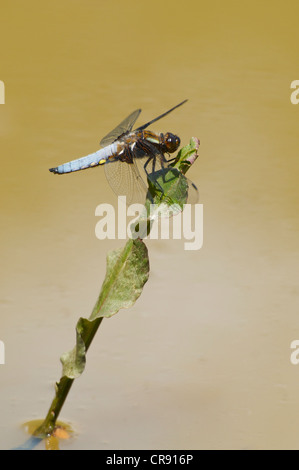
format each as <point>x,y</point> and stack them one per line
<point>202,361</point>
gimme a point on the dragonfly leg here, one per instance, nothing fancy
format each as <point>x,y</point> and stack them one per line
<point>171,159</point>
<point>153,153</point>
<point>156,183</point>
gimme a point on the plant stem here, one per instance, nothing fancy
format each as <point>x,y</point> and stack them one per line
<point>63,388</point>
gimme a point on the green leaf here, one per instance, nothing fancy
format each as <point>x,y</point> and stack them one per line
<point>168,185</point>
<point>74,361</point>
<point>127,272</point>
<point>187,155</point>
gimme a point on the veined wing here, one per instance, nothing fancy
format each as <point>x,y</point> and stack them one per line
<point>130,179</point>
<point>127,124</point>
<point>141,128</point>
<point>124,127</point>
<point>125,180</point>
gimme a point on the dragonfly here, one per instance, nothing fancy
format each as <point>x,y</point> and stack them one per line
<point>131,158</point>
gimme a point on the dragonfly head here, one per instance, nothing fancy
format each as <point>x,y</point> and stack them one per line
<point>171,142</point>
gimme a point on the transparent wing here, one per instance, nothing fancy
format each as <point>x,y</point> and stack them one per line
<point>125,180</point>
<point>131,179</point>
<point>124,127</point>
<point>193,195</point>
<point>161,116</point>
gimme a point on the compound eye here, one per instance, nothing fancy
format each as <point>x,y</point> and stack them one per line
<point>172,142</point>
